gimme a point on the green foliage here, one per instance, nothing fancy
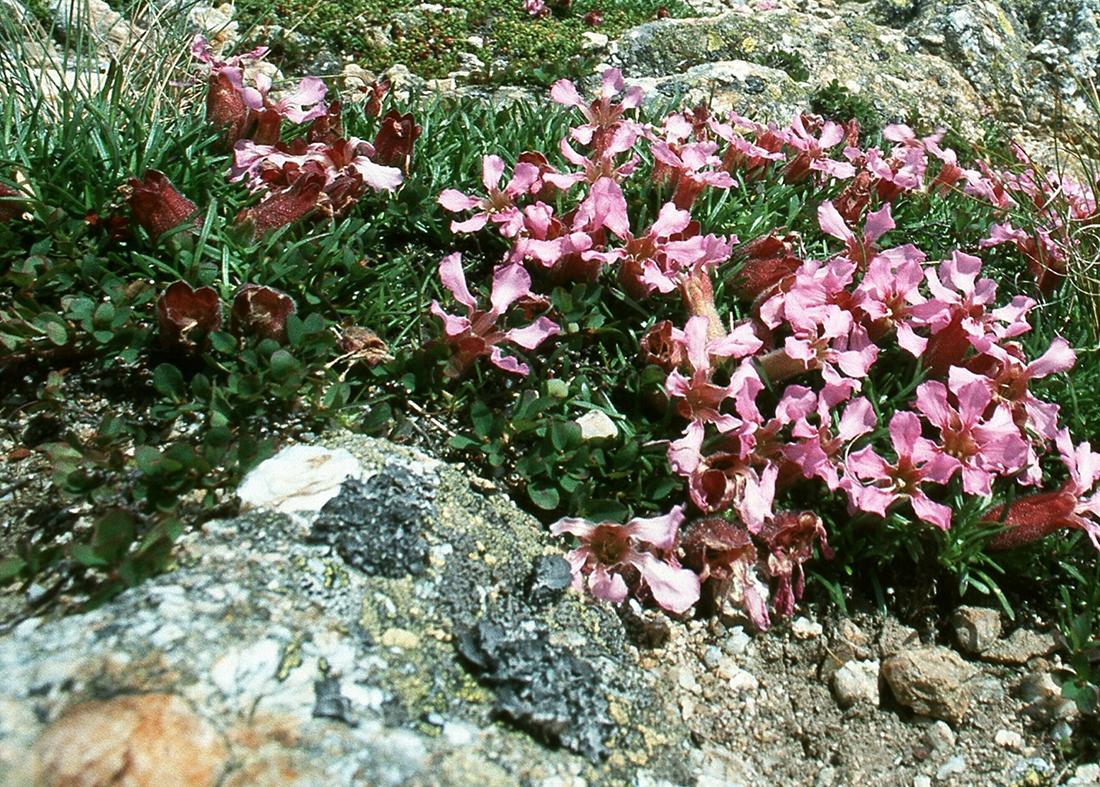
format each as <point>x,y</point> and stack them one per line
<point>838,102</point>
<point>515,48</point>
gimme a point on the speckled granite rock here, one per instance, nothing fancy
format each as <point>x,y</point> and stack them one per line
<point>285,651</point>
<point>949,61</point>
<point>786,55</point>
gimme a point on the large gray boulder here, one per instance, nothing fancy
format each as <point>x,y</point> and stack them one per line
<point>952,62</point>
<point>417,631</point>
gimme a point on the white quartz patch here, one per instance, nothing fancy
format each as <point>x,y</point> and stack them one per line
<point>298,478</point>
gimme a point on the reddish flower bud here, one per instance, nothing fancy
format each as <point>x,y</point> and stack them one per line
<point>283,207</point>
<point>1032,517</point>
<point>659,349</point>
<point>593,18</point>
<point>186,316</point>
<point>225,108</point>
<point>766,262</point>
<point>393,144</point>
<point>260,311</point>
<point>156,204</point>
<point>9,208</point>
<point>663,13</point>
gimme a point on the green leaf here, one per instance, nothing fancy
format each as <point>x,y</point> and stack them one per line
<point>168,381</point>
<point>565,435</point>
<point>11,567</point>
<point>462,443</point>
<point>86,555</point>
<point>546,497</point>
<point>56,333</point>
<point>283,365</point>
<point>482,418</point>
<point>223,342</point>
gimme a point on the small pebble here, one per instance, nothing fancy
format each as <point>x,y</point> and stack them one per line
<point>1009,739</point>
<point>922,781</point>
<point>939,736</point>
<point>712,657</point>
<point>737,642</point>
<point>802,628</point>
<point>1085,775</point>
<point>956,764</point>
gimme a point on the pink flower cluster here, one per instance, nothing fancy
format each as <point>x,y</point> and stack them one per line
<point>785,396</point>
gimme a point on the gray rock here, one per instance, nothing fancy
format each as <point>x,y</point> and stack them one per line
<point>938,736</point>
<point>976,628</point>
<point>953,767</point>
<point>930,681</point>
<point>855,682</point>
<point>293,659</point>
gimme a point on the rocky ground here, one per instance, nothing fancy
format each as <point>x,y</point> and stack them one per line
<point>377,617</point>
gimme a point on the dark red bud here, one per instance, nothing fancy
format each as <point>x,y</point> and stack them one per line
<point>187,316</point>
<point>260,311</point>
<point>157,205</point>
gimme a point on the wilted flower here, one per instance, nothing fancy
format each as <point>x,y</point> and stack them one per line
<point>790,537</point>
<point>260,311</point>
<point>187,316</point>
<point>593,18</point>
<point>363,344</point>
<point>640,552</point>
<point>723,555</point>
<point>283,207</point>
<point>393,144</point>
<point>157,205</point>
<point>10,204</point>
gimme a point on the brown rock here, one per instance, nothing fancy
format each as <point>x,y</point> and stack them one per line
<point>1020,647</point>
<point>931,681</point>
<point>144,740</point>
<point>976,628</point>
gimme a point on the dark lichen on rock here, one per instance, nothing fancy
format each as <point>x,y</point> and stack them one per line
<point>540,686</point>
<point>377,525</point>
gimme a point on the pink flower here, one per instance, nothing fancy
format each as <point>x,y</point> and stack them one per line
<point>701,399</point>
<point>536,8</point>
<point>836,344</point>
<point>813,150</point>
<point>1045,259</point>
<point>958,317</point>
<point>1007,379</point>
<point>640,552</point>
<point>603,117</point>
<point>978,447</point>
<point>691,169</point>
<point>498,205</point>
<point>917,462</point>
<point>889,291</point>
<point>476,334</point>
<point>860,250</point>
<point>1036,516</point>
<point>817,448</point>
